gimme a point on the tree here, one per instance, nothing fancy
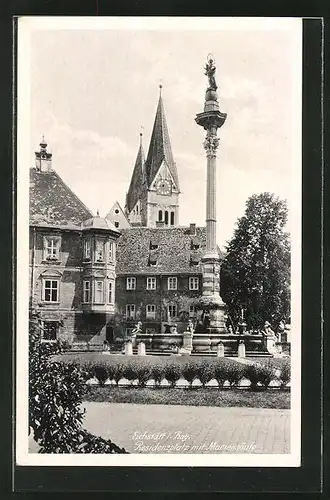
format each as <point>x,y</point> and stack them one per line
<point>255,273</point>
<point>55,397</point>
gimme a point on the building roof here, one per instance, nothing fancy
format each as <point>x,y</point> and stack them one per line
<point>135,187</point>
<point>98,222</point>
<point>53,202</point>
<point>160,148</point>
<point>153,251</point>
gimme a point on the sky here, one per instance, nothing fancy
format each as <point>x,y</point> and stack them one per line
<point>92,91</point>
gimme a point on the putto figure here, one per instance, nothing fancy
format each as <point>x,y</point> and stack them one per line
<point>209,72</point>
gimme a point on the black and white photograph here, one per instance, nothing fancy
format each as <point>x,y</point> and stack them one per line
<point>159,241</point>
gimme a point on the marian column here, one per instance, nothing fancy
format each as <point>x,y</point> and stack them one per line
<point>211,119</point>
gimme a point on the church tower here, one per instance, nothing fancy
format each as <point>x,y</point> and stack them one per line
<point>153,196</point>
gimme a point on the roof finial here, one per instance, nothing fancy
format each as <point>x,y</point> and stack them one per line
<point>43,143</point>
<point>160,89</point>
<point>141,134</point>
<point>97,213</point>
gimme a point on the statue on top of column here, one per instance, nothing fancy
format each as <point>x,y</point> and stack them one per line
<point>209,72</point>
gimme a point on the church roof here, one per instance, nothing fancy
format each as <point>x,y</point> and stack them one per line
<point>154,251</point>
<point>135,187</point>
<point>52,201</point>
<point>160,147</point>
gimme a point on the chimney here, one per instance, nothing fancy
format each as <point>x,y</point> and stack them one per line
<point>192,228</point>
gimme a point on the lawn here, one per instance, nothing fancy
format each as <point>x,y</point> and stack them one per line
<point>275,398</point>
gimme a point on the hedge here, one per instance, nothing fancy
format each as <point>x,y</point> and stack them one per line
<point>261,373</point>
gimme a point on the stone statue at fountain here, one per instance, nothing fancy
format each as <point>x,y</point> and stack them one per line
<point>190,327</point>
<point>135,332</point>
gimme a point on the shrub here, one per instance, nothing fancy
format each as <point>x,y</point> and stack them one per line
<point>55,397</point>
<point>220,374</point>
<point>205,372</point>
<point>157,373</point>
<point>87,369</point>
<point>266,374</point>
<point>260,373</point>
<point>252,375</point>
<point>101,373</point>
<point>234,372</point>
<point>143,374</point>
<point>118,372</point>
<point>285,373</point>
<point>190,372</point>
<point>172,372</point>
<point>130,371</point>
<point>111,370</point>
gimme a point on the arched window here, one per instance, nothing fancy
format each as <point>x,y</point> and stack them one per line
<point>137,209</point>
<point>172,218</point>
<point>166,217</point>
<point>160,215</point>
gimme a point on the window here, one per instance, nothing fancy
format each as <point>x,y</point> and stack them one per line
<point>172,283</point>
<point>99,251</point>
<point>192,311</point>
<point>193,283</point>
<point>166,217</point>
<point>110,297</point>
<point>51,290</point>
<point>51,248</point>
<point>130,310</point>
<point>111,254</point>
<point>172,218</point>
<point>130,283</point>
<point>116,223</point>
<point>50,330</point>
<point>98,298</point>
<point>87,249</point>
<point>87,291</point>
<point>151,311</point>
<point>151,283</point>
<point>171,311</point>
<point>150,330</point>
<point>160,215</point>
<point>137,209</point>
<point>116,211</point>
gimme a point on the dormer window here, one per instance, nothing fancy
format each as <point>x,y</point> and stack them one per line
<point>153,244</point>
<point>52,247</point>
<point>195,243</point>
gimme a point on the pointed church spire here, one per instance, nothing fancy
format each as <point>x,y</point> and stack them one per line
<point>134,190</point>
<point>160,146</point>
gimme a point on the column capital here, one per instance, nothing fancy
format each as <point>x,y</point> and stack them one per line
<point>211,144</point>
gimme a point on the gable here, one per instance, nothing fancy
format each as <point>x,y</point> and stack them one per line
<point>163,173</point>
<point>116,214</point>
<point>53,202</point>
